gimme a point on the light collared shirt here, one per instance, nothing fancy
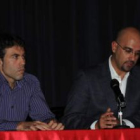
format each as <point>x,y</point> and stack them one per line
<point>114,75</point>
<point>122,84</point>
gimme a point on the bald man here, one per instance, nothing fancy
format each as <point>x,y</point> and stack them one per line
<point>92,103</point>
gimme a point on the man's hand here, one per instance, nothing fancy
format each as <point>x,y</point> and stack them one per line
<point>37,125</point>
<point>107,120</point>
<point>54,125</point>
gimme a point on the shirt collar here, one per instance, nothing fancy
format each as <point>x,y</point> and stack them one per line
<point>4,81</point>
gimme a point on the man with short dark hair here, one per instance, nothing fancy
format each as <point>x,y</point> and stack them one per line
<point>20,92</point>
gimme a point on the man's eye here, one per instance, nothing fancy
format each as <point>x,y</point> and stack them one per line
<point>15,56</point>
<point>137,53</point>
<point>128,50</point>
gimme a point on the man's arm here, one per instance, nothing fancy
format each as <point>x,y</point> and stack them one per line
<point>75,112</point>
<point>40,112</point>
<point>38,107</point>
<point>8,125</point>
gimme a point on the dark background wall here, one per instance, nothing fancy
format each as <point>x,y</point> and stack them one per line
<point>63,36</point>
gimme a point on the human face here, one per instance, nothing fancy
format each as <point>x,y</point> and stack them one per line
<point>126,54</point>
<point>12,66</point>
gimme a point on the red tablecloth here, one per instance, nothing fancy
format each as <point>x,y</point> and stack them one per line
<point>108,134</point>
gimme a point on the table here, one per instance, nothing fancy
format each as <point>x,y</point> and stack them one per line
<point>106,134</point>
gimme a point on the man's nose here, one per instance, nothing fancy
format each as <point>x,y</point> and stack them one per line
<point>22,61</point>
<point>133,56</point>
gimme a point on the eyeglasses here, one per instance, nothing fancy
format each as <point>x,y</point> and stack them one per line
<point>128,50</point>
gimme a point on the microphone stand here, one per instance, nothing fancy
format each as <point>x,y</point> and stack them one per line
<point>120,114</point>
<point>120,102</point>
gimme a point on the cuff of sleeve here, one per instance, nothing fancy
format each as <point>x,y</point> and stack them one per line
<point>93,125</point>
<point>129,123</point>
<point>9,126</point>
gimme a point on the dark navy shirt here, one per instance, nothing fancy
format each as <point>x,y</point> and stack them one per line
<point>25,99</point>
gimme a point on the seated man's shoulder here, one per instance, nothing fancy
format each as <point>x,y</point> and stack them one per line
<point>30,77</point>
<point>95,69</point>
<point>136,71</point>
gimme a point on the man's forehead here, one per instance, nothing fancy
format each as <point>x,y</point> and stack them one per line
<point>15,49</point>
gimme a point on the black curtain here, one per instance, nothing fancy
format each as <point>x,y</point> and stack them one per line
<point>63,36</point>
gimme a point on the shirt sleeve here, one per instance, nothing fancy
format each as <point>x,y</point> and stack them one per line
<point>93,125</point>
<point>128,123</point>
<point>39,110</point>
<point>7,125</point>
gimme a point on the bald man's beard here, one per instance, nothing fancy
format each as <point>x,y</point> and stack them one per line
<point>127,66</point>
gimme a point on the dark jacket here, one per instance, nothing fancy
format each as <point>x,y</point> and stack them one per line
<point>91,95</point>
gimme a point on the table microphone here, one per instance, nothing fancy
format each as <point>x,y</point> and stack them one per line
<point>121,102</point>
<point>119,96</point>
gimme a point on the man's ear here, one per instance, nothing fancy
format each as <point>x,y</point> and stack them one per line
<point>114,46</point>
<point>1,62</point>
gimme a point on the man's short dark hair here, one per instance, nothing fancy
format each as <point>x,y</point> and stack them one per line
<point>8,41</point>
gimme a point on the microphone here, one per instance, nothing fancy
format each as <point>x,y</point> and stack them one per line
<point>119,96</point>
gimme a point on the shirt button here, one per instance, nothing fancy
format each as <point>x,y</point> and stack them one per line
<point>12,106</point>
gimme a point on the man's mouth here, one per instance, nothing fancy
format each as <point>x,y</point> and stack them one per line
<point>130,63</point>
<point>21,70</point>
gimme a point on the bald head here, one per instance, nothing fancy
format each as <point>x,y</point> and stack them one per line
<point>128,33</point>
<point>126,50</point>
